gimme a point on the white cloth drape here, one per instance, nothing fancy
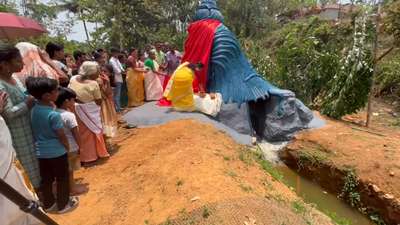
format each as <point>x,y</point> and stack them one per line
<point>90,115</point>
<point>10,214</point>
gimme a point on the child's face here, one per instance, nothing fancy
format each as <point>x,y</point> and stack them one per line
<point>52,96</point>
<point>70,103</point>
<point>106,72</point>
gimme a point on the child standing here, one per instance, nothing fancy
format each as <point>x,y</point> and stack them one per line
<point>65,106</point>
<point>51,145</point>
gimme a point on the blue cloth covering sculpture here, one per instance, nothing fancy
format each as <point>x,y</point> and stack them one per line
<point>275,114</point>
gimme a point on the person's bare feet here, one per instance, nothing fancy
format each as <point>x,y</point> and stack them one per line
<point>79,189</point>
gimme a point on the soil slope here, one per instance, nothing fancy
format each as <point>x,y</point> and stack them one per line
<point>163,173</point>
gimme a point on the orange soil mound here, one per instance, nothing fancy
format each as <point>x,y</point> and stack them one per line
<point>157,172</point>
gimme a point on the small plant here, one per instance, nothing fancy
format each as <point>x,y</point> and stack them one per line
<point>246,188</point>
<point>349,190</point>
<point>146,222</point>
<point>299,207</point>
<point>227,158</point>
<point>396,123</point>
<point>245,156</point>
<point>206,213</point>
<point>231,174</point>
<point>168,222</point>
<point>377,219</point>
<point>315,158</point>
<point>179,183</point>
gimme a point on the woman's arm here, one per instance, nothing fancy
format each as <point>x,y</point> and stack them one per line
<point>63,138</point>
<point>45,57</point>
<point>142,70</point>
<point>75,134</point>
<point>12,111</point>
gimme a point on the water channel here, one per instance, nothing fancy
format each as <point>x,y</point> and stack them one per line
<point>328,203</point>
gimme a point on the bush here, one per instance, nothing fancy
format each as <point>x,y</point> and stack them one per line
<point>348,90</point>
<point>302,57</point>
<point>320,62</point>
<point>388,78</point>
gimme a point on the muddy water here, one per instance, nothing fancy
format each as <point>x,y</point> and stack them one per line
<point>328,203</point>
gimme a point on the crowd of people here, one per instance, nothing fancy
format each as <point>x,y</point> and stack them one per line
<point>61,109</point>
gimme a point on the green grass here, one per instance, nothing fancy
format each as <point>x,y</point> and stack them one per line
<point>299,207</point>
<point>314,158</point>
<point>246,156</point>
<point>227,158</point>
<point>266,165</point>
<point>167,222</point>
<point>231,174</point>
<point>206,213</point>
<point>246,188</point>
<point>338,220</point>
<point>396,123</point>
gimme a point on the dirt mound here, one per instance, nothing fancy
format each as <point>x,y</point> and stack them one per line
<point>160,172</point>
<point>249,211</point>
<point>360,164</point>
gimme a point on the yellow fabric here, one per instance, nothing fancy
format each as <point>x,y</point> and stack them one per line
<point>181,92</point>
<point>135,83</point>
<point>171,80</point>
<point>28,183</point>
<point>86,92</point>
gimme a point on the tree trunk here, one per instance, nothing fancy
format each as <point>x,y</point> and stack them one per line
<point>375,52</point>
<point>86,31</point>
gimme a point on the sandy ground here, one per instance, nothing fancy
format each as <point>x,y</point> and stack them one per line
<point>160,173</point>
<point>374,153</point>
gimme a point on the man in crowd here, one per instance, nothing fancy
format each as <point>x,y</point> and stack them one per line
<point>79,57</point>
<point>118,81</point>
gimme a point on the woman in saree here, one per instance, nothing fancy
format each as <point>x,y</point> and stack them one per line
<point>16,113</point>
<point>37,63</point>
<point>12,173</point>
<point>180,92</point>
<point>108,114</point>
<point>88,112</point>
<point>152,83</point>
<point>180,87</point>
<point>135,80</point>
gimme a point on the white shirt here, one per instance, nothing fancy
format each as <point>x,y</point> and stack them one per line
<point>118,69</point>
<point>70,123</point>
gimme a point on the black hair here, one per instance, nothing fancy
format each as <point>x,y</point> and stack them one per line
<point>64,94</point>
<point>100,50</point>
<point>78,54</point>
<point>51,48</point>
<point>38,86</point>
<point>111,75</point>
<point>97,55</point>
<point>193,66</point>
<point>114,50</point>
<point>109,68</point>
<point>121,56</point>
<point>132,50</point>
<point>8,52</point>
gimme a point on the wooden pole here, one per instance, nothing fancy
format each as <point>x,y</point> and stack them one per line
<point>375,67</point>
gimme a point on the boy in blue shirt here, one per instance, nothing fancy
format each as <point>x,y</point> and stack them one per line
<point>51,145</point>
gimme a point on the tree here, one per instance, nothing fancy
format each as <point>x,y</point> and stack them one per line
<point>6,6</point>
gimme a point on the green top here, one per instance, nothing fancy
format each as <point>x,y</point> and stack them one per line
<point>150,64</point>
